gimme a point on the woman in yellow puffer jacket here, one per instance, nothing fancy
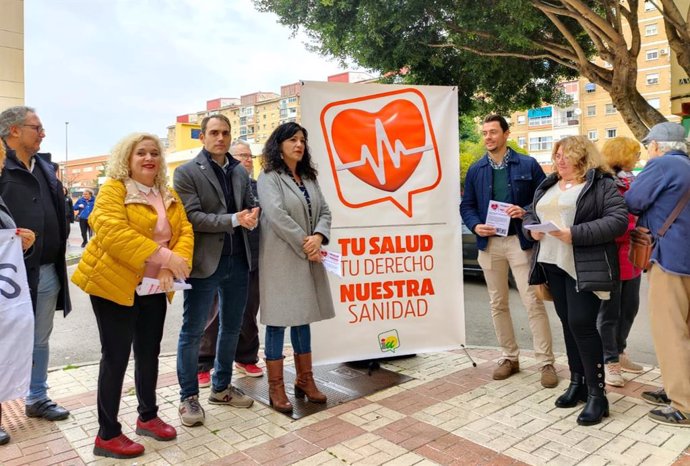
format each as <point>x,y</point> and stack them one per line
<point>140,230</point>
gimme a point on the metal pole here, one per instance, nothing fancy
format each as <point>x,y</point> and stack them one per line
<point>64,173</point>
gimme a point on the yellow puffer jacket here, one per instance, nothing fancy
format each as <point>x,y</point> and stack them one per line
<point>112,265</point>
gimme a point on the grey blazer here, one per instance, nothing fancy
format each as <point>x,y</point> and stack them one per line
<point>294,290</point>
<point>204,201</point>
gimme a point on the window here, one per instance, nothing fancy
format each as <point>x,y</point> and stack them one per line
<point>652,54</point>
<point>88,169</point>
<point>650,30</point>
<point>522,119</point>
<point>649,6</point>
<point>522,141</point>
<point>591,110</point>
<point>542,143</point>
<point>655,103</point>
<point>592,135</point>
<point>610,109</point>
<point>76,171</point>
<point>652,78</point>
<point>611,133</point>
<point>590,87</point>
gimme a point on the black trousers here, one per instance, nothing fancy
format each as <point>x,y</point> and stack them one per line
<point>85,229</point>
<point>616,317</point>
<point>248,344</point>
<point>577,311</point>
<point>120,328</point>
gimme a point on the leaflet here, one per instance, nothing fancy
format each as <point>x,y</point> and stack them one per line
<point>332,261</point>
<point>152,286</point>
<point>542,227</point>
<point>498,218</point>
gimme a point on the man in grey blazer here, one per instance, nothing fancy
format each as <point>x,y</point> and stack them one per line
<point>217,196</point>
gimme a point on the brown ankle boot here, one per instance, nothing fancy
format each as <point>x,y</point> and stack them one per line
<point>276,387</point>
<point>304,383</point>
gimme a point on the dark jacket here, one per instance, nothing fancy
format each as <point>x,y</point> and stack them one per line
<point>20,189</point>
<point>600,217</point>
<point>524,175</point>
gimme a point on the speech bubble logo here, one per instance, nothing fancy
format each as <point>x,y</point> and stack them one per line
<point>389,341</point>
<point>381,148</point>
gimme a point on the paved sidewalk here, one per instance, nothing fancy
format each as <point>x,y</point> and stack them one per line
<point>451,413</point>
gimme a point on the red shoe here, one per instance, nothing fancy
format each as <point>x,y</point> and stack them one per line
<point>204,379</point>
<point>157,429</point>
<point>119,447</point>
<point>252,370</point>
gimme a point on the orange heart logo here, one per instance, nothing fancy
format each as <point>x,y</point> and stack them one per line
<point>383,148</point>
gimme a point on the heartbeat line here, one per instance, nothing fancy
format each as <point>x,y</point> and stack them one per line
<point>377,164</point>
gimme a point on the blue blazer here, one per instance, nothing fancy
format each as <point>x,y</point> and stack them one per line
<point>524,175</point>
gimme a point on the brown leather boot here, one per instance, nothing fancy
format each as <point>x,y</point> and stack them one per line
<point>304,383</point>
<point>276,387</point>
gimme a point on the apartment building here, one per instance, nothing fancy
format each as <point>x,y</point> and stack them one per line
<point>592,113</point>
<point>11,53</point>
<point>83,173</point>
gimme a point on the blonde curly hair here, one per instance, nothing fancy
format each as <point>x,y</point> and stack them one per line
<point>621,153</point>
<point>118,163</point>
<point>582,153</point>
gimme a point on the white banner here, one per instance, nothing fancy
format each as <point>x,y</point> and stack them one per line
<point>16,319</point>
<point>388,161</point>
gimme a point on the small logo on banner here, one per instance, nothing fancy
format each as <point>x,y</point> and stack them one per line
<point>381,148</point>
<point>389,341</point>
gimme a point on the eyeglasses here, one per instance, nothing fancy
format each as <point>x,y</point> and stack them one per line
<point>39,129</point>
<point>243,156</point>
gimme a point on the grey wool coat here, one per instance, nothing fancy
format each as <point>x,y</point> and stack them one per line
<point>294,290</point>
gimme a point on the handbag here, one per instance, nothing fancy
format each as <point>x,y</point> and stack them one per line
<point>543,292</point>
<point>641,251</point>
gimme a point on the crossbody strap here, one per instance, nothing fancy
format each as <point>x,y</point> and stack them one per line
<point>675,213</point>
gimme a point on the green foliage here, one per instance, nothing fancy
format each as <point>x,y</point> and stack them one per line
<point>431,40</point>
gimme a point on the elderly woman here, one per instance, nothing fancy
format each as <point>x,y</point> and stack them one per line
<point>28,237</point>
<point>294,292</point>
<point>141,230</point>
<point>579,261</point>
<point>618,313</point>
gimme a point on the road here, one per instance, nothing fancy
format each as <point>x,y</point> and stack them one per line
<point>75,339</point>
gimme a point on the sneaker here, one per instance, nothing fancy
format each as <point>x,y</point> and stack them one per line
<point>191,413</point>
<point>657,397</point>
<point>4,436</point>
<point>230,396</point>
<point>628,366</point>
<point>670,416</point>
<point>505,369</point>
<point>46,409</point>
<point>204,379</point>
<point>549,379</point>
<point>120,447</point>
<point>614,377</point>
<point>251,370</point>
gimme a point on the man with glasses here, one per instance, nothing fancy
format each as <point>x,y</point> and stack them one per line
<point>247,354</point>
<point>218,199</point>
<point>34,195</point>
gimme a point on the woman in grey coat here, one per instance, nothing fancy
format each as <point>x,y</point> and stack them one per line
<point>295,222</point>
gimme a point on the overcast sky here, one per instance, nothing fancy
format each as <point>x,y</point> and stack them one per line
<point>111,67</point>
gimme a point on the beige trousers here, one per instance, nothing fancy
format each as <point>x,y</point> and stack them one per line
<point>669,314</point>
<point>501,254</point>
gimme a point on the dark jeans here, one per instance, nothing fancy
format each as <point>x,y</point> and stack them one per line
<point>85,229</point>
<point>248,344</point>
<point>578,312</point>
<point>616,317</point>
<point>300,336</point>
<point>120,327</point>
<point>230,280</point>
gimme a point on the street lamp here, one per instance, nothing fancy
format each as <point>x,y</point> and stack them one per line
<point>64,173</point>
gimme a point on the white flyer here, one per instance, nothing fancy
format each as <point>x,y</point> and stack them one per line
<point>542,227</point>
<point>497,217</point>
<point>332,261</point>
<point>152,286</point>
